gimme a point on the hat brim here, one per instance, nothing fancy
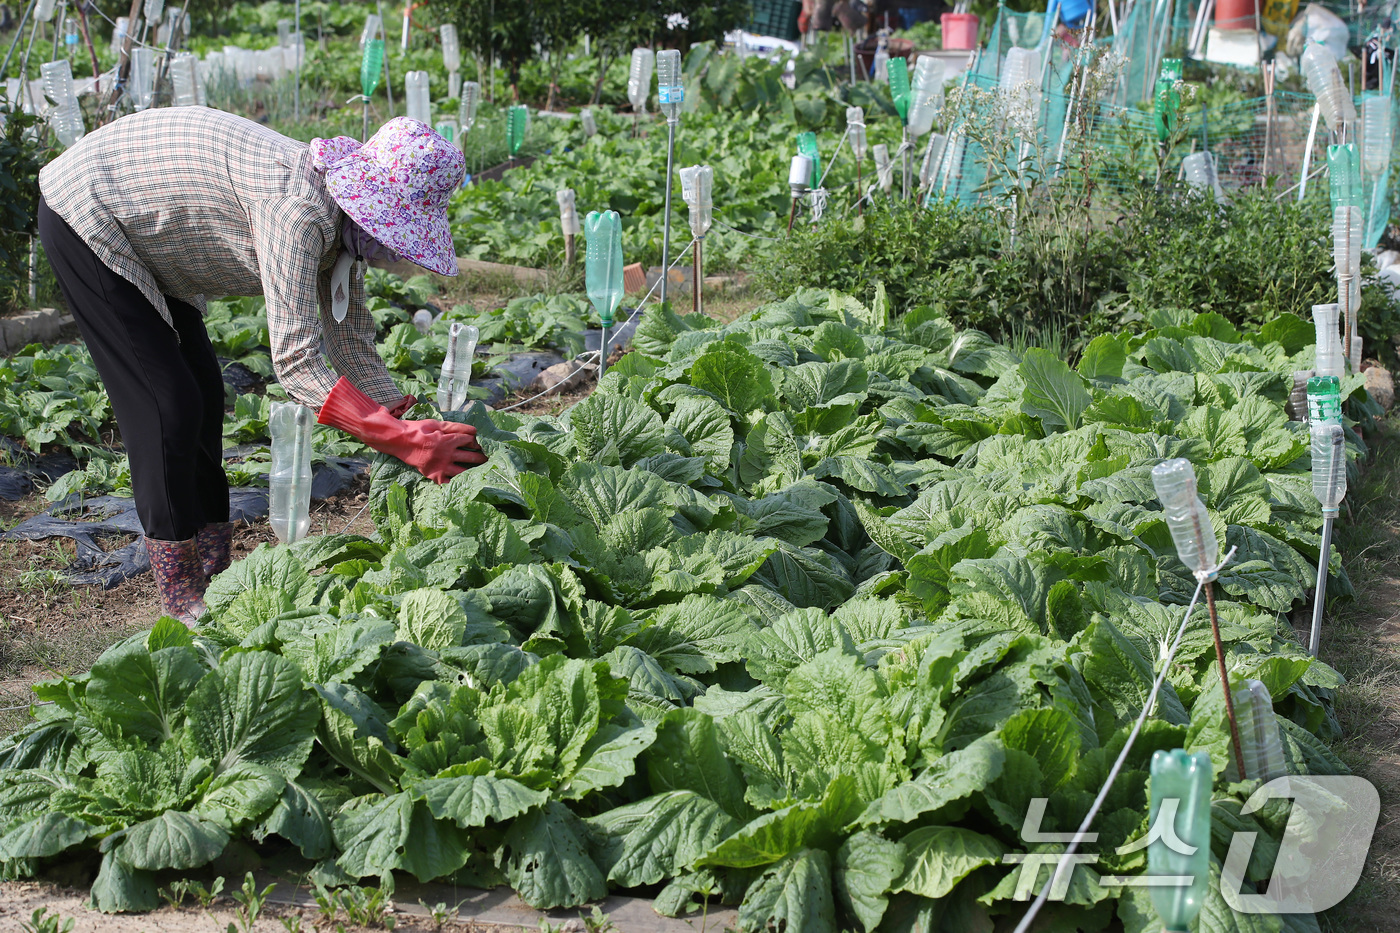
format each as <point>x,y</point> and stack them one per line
<point>366,191</point>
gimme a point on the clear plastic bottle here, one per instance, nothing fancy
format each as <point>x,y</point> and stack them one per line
<point>1199,171</point>
<point>1180,792</point>
<point>884,169</point>
<point>143,74</point>
<point>1187,518</point>
<point>422,320</point>
<point>451,58</point>
<point>183,79</point>
<point>855,128</point>
<point>1354,360</point>
<point>1329,465</point>
<point>932,156</point>
<point>71,34</point>
<point>466,111</point>
<point>569,223</point>
<point>603,263</point>
<point>1259,737</point>
<point>374,29</point>
<point>1325,400</point>
<point>1378,138</point>
<point>1329,341</point>
<point>284,33</point>
<point>65,117</point>
<point>289,481</point>
<point>418,96</point>
<point>43,10</point>
<point>457,367</point>
<point>880,71</point>
<point>590,126</point>
<point>1325,83</point>
<point>926,94</point>
<point>697,187</point>
<point>1347,237</point>
<point>119,34</point>
<point>639,79</point>
<point>670,91</point>
<point>153,10</point>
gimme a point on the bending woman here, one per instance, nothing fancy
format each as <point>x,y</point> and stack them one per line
<point>145,217</point>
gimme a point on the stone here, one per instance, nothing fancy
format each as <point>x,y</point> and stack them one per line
<point>1381,386</point>
<point>566,375</point>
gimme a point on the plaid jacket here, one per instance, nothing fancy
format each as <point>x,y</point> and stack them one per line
<point>189,202</point>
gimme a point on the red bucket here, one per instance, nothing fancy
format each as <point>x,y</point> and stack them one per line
<point>959,31</point>
<point>1235,14</point>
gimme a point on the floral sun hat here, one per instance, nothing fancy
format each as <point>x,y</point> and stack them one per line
<point>396,187</point>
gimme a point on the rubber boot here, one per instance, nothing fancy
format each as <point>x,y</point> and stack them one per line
<point>179,578</point>
<point>214,541</point>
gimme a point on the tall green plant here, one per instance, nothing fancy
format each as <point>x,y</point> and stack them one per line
<point>21,157</point>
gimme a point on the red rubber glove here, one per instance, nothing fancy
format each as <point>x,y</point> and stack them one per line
<point>439,449</point>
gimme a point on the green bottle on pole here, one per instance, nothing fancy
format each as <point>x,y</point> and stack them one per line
<point>1179,829</point>
<point>899,87</point>
<point>517,122</point>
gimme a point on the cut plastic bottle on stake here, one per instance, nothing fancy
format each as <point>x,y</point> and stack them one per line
<point>451,48</point>
<point>455,380</point>
<point>899,87</point>
<point>1344,175</point>
<point>1378,136</point>
<point>569,223</point>
<point>1179,812</point>
<point>1329,341</point>
<point>880,66</point>
<point>184,80</point>
<point>371,66</point>
<point>800,174</point>
<point>932,156</point>
<point>1166,99</point>
<point>670,92</point>
<point>884,170</point>
<point>807,145</point>
<point>418,96</point>
<point>1187,518</point>
<point>289,481</point>
<point>855,130</point>
<point>374,28</point>
<point>1325,83</point>
<point>590,126</point>
<point>447,129</point>
<point>517,123</point>
<point>1198,168</point>
<point>1329,465</point>
<point>43,10</point>
<point>697,188</point>
<point>153,10</point>
<point>65,117</point>
<point>1259,735</point>
<point>466,110</point>
<point>926,94</point>
<point>603,263</point>
<point>639,79</point>
<point>143,74</point>
<point>1325,400</point>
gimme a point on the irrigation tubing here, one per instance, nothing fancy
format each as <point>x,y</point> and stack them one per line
<point>1202,579</point>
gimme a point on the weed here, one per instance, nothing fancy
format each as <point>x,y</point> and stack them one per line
<point>363,906</point>
<point>41,921</point>
<point>292,923</point>
<point>251,902</point>
<point>440,912</point>
<point>177,891</point>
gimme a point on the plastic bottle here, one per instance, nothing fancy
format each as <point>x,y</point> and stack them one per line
<point>371,66</point>
<point>1199,170</point>
<point>65,117</point>
<point>590,126</point>
<point>183,80</point>
<point>880,67</point>
<point>418,96</point>
<point>1020,87</point>
<point>932,156</point>
<point>1298,398</point>
<point>1378,137</point>
<point>152,10</point>
<point>43,10</point>
<point>289,481</point>
<point>517,124</point>
<point>1259,737</point>
<point>1354,360</point>
<point>807,145</point>
<point>855,127</point>
<point>569,223</point>
<point>422,320</point>
<point>800,174</point>
<point>457,367</point>
<point>670,92</point>
<point>884,170</point>
<point>1325,82</point>
<point>1344,175</point>
<point>466,111</point>
<point>1180,792</point>
<point>603,263</point>
<point>1329,342</point>
<point>143,72</point>
<point>1166,99</point>
<point>374,28</point>
<point>1325,400</point>
<point>1347,239</point>
<point>447,129</point>
<point>926,95</point>
<point>71,35</point>
<point>284,33</point>
<point>639,79</point>
<point>451,58</point>
<point>1329,465</point>
<point>899,86</point>
<point>119,34</point>
<point>697,187</point>
<point>1187,518</point>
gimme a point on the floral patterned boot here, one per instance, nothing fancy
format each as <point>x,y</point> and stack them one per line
<point>179,578</point>
<point>214,543</point>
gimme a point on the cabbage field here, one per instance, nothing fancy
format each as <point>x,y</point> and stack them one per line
<point>796,613</point>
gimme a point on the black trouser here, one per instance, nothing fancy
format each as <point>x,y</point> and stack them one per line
<point>166,388</point>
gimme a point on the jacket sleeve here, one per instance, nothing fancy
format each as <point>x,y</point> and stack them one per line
<point>290,243</point>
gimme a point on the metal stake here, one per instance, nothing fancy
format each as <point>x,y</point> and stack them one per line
<point>697,277</point>
<point>1320,595</point>
<point>666,222</point>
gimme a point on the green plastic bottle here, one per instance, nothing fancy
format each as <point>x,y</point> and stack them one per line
<point>371,66</point>
<point>517,121</point>
<point>807,145</point>
<point>1344,175</point>
<point>899,86</point>
<point>1179,824</point>
<point>602,230</point>
<point>1166,99</point>
<point>1325,400</point>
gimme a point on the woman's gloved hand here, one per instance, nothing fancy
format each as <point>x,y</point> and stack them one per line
<point>439,449</point>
